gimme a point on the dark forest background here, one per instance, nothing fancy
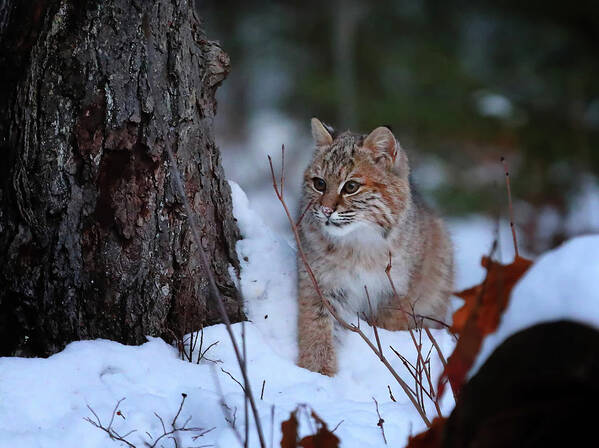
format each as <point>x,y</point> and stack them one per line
<point>461,83</point>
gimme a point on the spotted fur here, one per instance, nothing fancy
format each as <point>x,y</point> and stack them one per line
<point>348,238</point>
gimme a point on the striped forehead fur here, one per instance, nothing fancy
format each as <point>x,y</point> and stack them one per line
<point>342,150</point>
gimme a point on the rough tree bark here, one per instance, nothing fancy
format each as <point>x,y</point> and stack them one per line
<point>94,241</point>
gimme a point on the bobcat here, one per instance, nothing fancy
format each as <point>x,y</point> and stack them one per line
<point>362,211</point>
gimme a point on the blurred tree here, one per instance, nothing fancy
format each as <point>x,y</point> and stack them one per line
<point>464,82</point>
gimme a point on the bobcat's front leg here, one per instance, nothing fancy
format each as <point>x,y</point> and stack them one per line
<point>315,331</point>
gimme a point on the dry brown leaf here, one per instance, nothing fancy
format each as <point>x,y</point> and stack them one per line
<point>480,314</point>
<point>322,439</point>
<point>431,438</point>
<point>491,296</point>
<point>289,430</point>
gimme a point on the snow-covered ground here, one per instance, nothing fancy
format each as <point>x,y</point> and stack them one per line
<point>43,402</point>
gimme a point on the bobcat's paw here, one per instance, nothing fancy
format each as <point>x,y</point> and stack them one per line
<point>319,365</point>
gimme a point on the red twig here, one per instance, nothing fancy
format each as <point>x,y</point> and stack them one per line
<point>299,220</point>
<point>418,345</point>
<point>420,362</point>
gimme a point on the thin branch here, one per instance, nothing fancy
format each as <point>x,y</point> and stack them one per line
<point>203,354</point>
<point>337,426</point>
<point>114,411</point>
<point>419,316</point>
<point>272,425</point>
<point>439,352</point>
<point>391,394</point>
<point>203,434</point>
<point>509,197</point>
<point>110,432</point>
<point>214,291</point>
<point>184,395</point>
<point>246,437</point>
<point>161,422</point>
<point>282,182</point>
<point>230,419</point>
<point>381,421</point>
<point>262,393</point>
<point>200,353</point>
<point>374,322</point>
<point>233,378</point>
<point>418,345</point>
<point>299,220</point>
<point>171,434</point>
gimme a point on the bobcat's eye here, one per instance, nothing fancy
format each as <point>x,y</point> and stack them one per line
<point>351,187</point>
<point>319,183</point>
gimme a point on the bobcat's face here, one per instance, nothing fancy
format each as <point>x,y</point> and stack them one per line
<point>352,188</point>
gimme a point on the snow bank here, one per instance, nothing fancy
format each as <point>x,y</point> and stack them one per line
<point>43,401</point>
<point>561,284</point>
<point>472,238</point>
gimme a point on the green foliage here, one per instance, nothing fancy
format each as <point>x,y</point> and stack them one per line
<point>426,68</point>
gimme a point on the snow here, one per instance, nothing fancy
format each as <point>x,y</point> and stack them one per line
<point>561,284</point>
<point>493,105</point>
<point>583,211</point>
<point>472,238</point>
<point>43,402</point>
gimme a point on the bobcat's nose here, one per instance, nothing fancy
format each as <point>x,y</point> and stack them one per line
<point>328,211</point>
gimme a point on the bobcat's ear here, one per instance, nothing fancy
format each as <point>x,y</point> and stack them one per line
<point>386,149</point>
<point>320,134</point>
<point>382,142</point>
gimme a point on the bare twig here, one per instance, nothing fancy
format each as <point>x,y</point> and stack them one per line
<point>184,396</point>
<point>337,426</point>
<point>202,355</point>
<point>381,421</point>
<point>417,370</point>
<point>229,417</point>
<point>299,220</point>
<point>391,394</point>
<point>214,290</point>
<point>331,309</point>
<point>161,422</point>
<point>193,346</point>
<point>109,429</point>
<point>413,371</point>
<point>114,411</point>
<point>509,197</point>
<point>434,342</point>
<point>171,434</point>
<point>272,425</point>
<point>282,182</point>
<point>262,392</point>
<point>374,322</point>
<point>233,378</point>
<point>246,438</point>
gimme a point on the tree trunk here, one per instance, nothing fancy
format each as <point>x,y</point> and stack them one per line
<point>94,240</point>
